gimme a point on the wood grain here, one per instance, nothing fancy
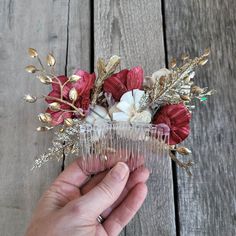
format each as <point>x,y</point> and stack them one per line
<point>78,41</point>
<point>207,200</point>
<point>133,30</point>
<point>25,24</point>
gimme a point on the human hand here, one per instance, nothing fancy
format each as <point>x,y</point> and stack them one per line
<point>72,204</point>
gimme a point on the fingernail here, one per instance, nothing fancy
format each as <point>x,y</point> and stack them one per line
<point>119,171</point>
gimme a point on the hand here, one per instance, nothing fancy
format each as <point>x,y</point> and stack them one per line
<point>74,201</point>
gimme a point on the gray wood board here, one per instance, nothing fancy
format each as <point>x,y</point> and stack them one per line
<point>78,41</point>
<point>23,24</point>
<point>207,200</point>
<point>133,30</point>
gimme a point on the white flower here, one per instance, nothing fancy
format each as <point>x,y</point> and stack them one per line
<point>98,115</point>
<point>128,108</point>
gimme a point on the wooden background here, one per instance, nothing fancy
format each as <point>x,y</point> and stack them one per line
<point>142,32</point>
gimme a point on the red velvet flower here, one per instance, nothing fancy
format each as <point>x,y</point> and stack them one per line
<point>124,81</point>
<point>83,87</point>
<point>177,117</point>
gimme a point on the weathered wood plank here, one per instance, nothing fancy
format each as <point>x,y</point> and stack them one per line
<point>79,41</point>
<point>79,36</point>
<point>39,24</point>
<point>207,200</point>
<point>133,30</point>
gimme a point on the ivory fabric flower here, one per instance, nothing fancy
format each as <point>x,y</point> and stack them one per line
<point>97,115</point>
<point>177,118</point>
<point>83,87</point>
<point>123,81</point>
<point>128,108</point>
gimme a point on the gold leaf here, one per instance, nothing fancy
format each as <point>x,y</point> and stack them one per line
<point>184,56</point>
<point>185,97</point>
<point>32,52</point>
<point>45,79</point>
<point>114,61</point>
<point>74,78</point>
<point>61,130</point>
<point>183,150</point>
<point>73,94</point>
<point>51,61</point>
<point>29,98</point>
<point>203,61</point>
<point>162,80</point>
<point>54,106</point>
<point>173,63</point>
<point>45,117</point>
<point>43,128</point>
<point>68,122</point>
<point>101,67</point>
<point>207,52</point>
<point>196,90</point>
<point>31,69</point>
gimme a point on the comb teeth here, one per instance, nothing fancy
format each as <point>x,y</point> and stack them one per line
<point>102,146</point>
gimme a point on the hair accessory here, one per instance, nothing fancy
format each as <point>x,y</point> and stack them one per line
<point>122,116</point>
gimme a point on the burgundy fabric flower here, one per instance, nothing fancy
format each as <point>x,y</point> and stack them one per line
<point>83,87</point>
<point>124,81</point>
<point>177,117</point>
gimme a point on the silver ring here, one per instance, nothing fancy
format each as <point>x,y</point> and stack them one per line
<point>100,219</point>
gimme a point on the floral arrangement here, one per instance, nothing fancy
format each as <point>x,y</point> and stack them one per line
<point>164,99</point>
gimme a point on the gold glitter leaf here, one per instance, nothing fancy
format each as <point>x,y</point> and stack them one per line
<point>45,118</point>
<point>44,79</point>
<point>32,52</point>
<point>183,150</point>
<point>196,90</point>
<point>31,69</point>
<point>207,52</point>
<point>55,106</point>
<point>68,122</point>
<point>51,61</point>
<point>73,94</point>
<point>74,78</point>
<point>114,61</point>
<point>29,98</point>
<point>173,63</point>
<point>184,56</point>
<point>185,97</point>
<point>43,128</point>
<point>203,61</point>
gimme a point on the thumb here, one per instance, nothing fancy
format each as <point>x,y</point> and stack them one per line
<point>106,192</point>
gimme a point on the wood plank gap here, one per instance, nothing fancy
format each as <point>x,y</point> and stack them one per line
<point>66,64</point>
<point>164,31</point>
<point>176,197</point>
<point>92,36</point>
<point>173,164</point>
<point>67,36</point>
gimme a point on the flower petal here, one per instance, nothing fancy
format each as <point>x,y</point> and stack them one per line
<point>122,75</point>
<point>128,97</point>
<point>114,86</point>
<point>126,107</point>
<point>142,117</point>
<point>86,82</point>
<point>135,78</point>
<point>177,117</point>
<point>120,116</point>
<point>137,94</point>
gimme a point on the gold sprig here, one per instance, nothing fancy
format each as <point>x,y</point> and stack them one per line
<point>176,86</point>
<point>104,71</point>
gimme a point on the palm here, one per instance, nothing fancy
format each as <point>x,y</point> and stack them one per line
<point>72,185</point>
